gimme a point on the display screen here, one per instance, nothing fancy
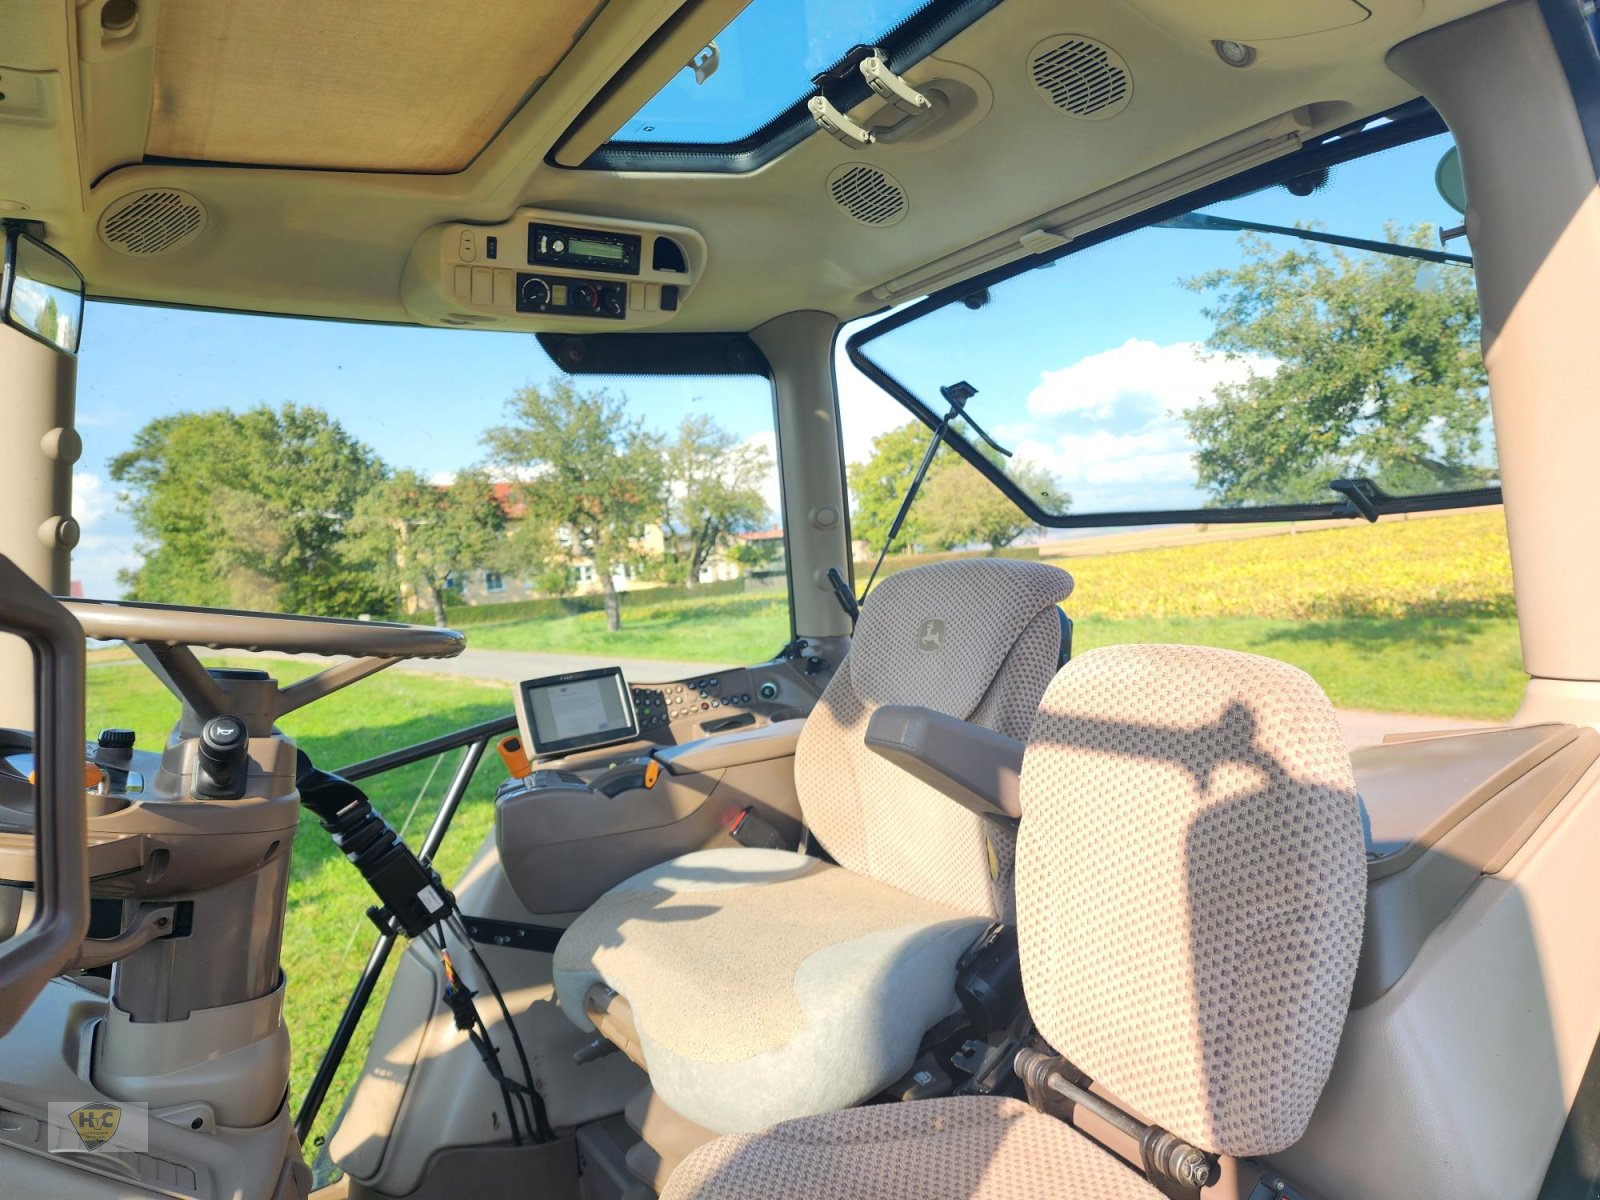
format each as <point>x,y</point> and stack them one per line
<point>575,711</point>
<point>611,251</point>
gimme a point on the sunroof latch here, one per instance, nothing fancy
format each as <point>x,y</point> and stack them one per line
<point>875,70</point>
<point>840,126</point>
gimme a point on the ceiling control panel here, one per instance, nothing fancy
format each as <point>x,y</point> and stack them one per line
<point>557,272</point>
<point>579,297</point>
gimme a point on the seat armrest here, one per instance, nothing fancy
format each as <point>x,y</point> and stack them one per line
<point>776,740</point>
<point>976,767</point>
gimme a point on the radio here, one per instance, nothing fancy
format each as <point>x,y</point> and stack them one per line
<point>563,246</point>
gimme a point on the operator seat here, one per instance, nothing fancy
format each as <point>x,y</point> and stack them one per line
<point>757,985</point>
<point>1190,891</point>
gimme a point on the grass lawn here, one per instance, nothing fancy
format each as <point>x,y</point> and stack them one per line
<point>663,623</point>
<point>1461,667</point>
<point>328,935</point>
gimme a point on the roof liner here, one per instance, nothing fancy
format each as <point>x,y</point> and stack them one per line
<point>388,85</point>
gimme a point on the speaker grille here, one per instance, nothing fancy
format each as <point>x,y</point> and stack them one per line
<point>1080,76</point>
<point>152,222</point>
<point>867,194</point>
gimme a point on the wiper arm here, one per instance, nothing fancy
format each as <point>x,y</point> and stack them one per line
<point>1197,220</point>
<point>957,394</point>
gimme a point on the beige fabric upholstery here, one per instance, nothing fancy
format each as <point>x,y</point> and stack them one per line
<point>1191,884</point>
<point>977,639</point>
<point>765,984</point>
<point>961,1149</point>
<point>1191,881</point>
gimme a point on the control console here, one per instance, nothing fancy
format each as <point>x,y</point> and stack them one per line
<point>579,298</point>
<point>553,272</point>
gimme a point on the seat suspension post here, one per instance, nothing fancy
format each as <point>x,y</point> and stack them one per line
<point>1167,1157</point>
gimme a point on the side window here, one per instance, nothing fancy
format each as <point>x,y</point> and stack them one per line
<point>1158,386</point>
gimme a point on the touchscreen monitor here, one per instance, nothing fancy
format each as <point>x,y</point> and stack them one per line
<point>576,711</point>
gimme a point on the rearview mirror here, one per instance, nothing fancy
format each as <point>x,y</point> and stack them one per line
<point>41,293</point>
<point>1447,178</point>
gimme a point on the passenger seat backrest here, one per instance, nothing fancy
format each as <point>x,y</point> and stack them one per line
<point>976,639</point>
<point>1191,881</point>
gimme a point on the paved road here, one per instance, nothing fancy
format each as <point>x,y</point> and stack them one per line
<point>512,665</point>
<point>1366,728</point>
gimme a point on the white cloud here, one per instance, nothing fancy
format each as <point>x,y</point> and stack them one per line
<point>865,409</point>
<point>1173,376</point>
<point>768,440</point>
<point>108,538</point>
<point>1111,427</point>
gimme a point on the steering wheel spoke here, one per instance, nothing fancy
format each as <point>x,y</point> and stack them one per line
<point>163,636</point>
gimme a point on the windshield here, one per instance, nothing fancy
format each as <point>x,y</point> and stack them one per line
<point>1199,365</point>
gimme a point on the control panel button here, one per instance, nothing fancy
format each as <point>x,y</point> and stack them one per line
<point>468,249</point>
<point>584,296</point>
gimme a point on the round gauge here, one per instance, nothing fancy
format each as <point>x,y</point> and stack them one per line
<point>535,292</point>
<point>583,296</point>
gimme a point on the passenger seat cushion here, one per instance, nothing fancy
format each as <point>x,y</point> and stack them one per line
<point>965,1148</point>
<point>975,639</point>
<point>1191,882</point>
<point>765,984</point>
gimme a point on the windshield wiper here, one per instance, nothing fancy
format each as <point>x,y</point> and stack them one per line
<point>1196,220</point>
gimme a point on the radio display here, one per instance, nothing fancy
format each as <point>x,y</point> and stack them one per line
<point>564,246</point>
<point>611,251</point>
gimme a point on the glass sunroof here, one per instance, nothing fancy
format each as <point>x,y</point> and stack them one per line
<point>766,58</point>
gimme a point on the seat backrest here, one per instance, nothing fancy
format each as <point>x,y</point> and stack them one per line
<point>1191,881</point>
<point>977,639</point>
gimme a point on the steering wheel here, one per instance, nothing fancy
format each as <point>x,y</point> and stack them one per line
<point>162,636</point>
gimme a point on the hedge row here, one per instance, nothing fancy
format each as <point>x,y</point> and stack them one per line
<point>461,615</point>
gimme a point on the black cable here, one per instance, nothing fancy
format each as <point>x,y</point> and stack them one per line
<point>541,1121</point>
<point>491,1058</point>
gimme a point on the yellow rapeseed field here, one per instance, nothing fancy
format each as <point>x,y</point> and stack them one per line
<point>1451,566</point>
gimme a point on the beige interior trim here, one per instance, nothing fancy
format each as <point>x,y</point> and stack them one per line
<point>1497,80</point>
<point>799,347</point>
<point>228,71</point>
<point>679,40</point>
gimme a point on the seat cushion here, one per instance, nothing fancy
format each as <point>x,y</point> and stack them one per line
<point>765,984</point>
<point>965,1148</point>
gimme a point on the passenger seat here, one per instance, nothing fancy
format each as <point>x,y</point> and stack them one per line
<point>1191,883</point>
<point>757,985</point>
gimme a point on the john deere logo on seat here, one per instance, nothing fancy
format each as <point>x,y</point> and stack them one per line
<point>930,636</point>
<point>95,1124</point>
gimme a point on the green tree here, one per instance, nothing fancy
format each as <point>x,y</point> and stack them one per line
<point>1375,375</point>
<point>878,485</point>
<point>416,533</point>
<point>713,490</point>
<point>959,507</point>
<point>50,320</point>
<point>592,473</point>
<point>248,510</point>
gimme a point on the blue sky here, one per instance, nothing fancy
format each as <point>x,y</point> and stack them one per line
<point>1081,366</point>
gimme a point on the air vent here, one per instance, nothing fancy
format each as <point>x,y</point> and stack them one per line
<point>867,194</point>
<point>152,222</point>
<point>1080,76</point>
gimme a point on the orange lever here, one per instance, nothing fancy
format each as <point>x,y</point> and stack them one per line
<point>515,758</point>
<point>652,772</point>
